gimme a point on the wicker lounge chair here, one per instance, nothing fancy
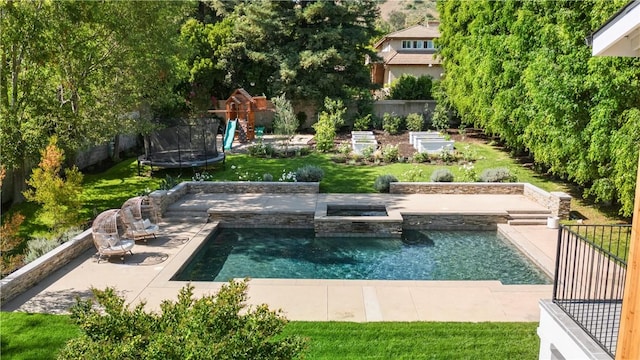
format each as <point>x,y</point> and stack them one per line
<point>138,227</point>
<point>106,236</point>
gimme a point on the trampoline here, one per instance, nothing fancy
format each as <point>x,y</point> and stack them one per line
<point>192,145</point>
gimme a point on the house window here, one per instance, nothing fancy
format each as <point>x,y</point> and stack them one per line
<point>418,44</point>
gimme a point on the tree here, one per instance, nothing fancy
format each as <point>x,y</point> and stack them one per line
<point>285,121</point>
<point>74,69</point>
<point>218,326</point>
<point>308,49</point>
<point>521,70</point>
<point>59,195</point>
<point>409,87</point>
<point>330,120</point>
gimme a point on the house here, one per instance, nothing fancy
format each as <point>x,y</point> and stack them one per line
<point>408,51</point>
<point>595,310</point>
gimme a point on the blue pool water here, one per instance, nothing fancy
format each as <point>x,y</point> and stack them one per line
<point>419,255</point>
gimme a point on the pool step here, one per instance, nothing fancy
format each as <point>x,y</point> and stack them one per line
<point>528,217</point>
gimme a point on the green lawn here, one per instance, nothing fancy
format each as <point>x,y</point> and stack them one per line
<point>418,340</point>
<point>40,336</point>
<point>111,188</point>
<point>34,336</point>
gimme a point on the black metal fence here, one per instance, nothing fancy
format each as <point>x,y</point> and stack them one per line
<point>589,279</point>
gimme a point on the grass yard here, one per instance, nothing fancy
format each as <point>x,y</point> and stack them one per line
<point>418,340</point>
<point>24,337</point>
<point>111,188</point>
<point>34,336</point>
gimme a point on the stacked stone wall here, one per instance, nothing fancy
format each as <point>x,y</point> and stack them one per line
<point>455,188</point>
<point>24,278</point>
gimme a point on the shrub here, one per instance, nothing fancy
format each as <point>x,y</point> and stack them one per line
<point>368,151</point>
<point>169,182</point>
<point>414,174</point>
<point>9,241</point>
<point>446,156</point>
<point>345,148</point>
<point>383,183</point>
<point>408,87</point>
<point>362,123</point>
<point>420,157</point>
<point>497,175</point>
<point>392,123</point>
<point>309,173</point>
<point>267,177</point>
<point>331,119</point>
<point>469,173</point>
<point>440,118</point>
<point>415,122</point>
<point>442,175</point>
<point>219,326</point>
<point>56,191</point>
<point>390,153</point>
<point>376,122</point>
<point>38,247</point>
<point>261,149</point>
<point>285,121</point>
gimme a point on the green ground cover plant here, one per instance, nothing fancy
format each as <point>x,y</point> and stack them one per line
<point>23,338</point>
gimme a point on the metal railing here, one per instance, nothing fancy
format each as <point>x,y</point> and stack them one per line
<point>589,278</point>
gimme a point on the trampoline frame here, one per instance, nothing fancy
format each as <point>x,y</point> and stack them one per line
<point>189,157</point>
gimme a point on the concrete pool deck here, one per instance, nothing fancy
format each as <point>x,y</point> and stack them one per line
<point>145,275</point>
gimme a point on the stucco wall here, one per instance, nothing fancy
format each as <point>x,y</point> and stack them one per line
<point>405,107</point>
<point>395,71</point>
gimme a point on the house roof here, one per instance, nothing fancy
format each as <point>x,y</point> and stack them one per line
<point>620,35</point>
<point>414,32</point>
<point>411,59</point>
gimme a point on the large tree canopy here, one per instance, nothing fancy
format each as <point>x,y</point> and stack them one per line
<point>521,70</point>
<point>74,68</point>
<point>306,49</point>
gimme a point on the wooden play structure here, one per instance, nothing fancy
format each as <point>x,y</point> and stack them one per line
<point>241,107</point>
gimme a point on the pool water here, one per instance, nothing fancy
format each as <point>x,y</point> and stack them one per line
<point>419,255</point>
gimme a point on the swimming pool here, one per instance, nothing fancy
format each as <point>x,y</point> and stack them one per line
<point>418,255</point>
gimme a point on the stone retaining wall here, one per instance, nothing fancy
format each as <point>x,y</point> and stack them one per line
<point>21,280</point>
<point>453,221</point>
<point>160,200</point>
<point>559,203</point>
<point>358,228</point>
<point>455,188</point>
<point>254,220</point>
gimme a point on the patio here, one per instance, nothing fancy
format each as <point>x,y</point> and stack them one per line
<point>145,276</point>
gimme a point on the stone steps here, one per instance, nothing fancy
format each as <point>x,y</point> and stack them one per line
<point>528,217</point>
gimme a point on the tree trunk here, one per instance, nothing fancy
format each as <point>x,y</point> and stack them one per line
<point>19,183</point>
<point>116,149</point>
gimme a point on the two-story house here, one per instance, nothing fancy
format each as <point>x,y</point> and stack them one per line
<point>408,51</point>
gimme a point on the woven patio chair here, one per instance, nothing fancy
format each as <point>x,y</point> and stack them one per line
<point>138,226</point>
<point>106,232</point>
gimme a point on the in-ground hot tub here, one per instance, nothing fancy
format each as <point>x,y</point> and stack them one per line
<point>357,220</point>
<point>356,210</point>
